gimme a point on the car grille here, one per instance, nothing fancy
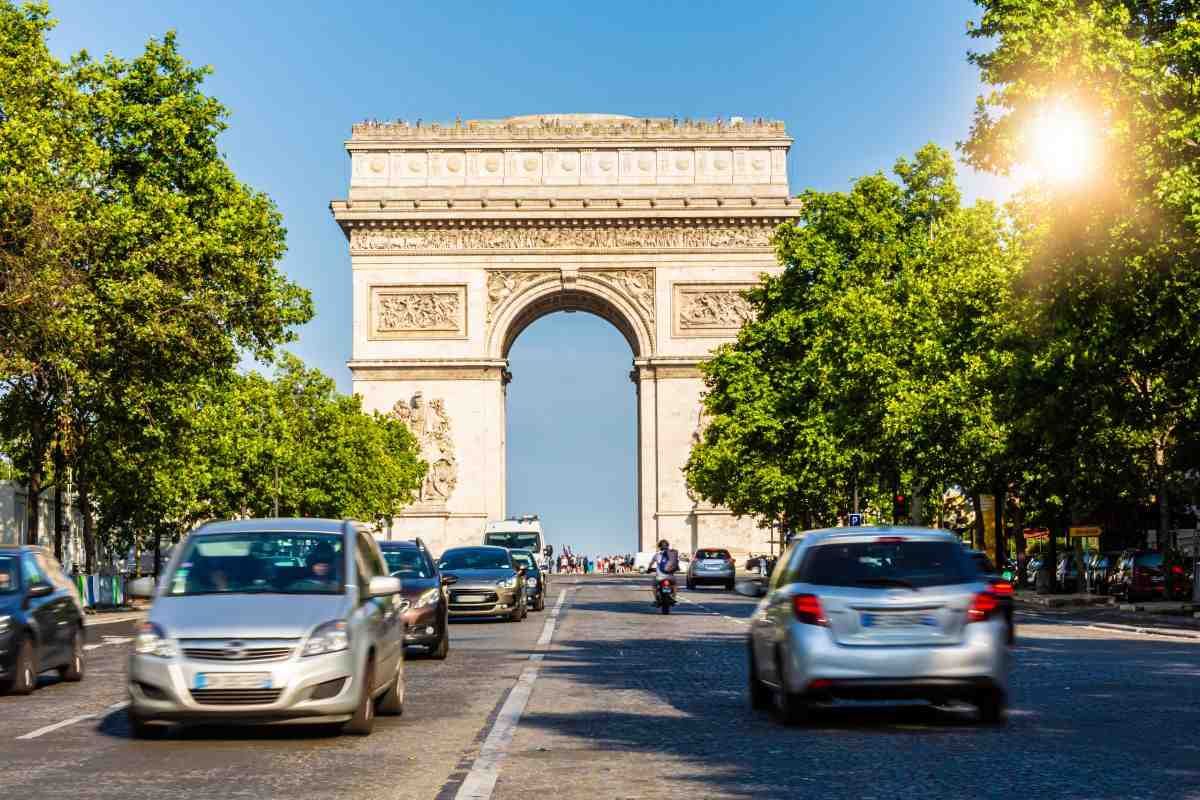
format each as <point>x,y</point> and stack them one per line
<point>236,697</point>
<point>248,654</point>
<point>488,598</point>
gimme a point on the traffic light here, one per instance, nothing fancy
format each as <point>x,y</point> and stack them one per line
<point>899,507</point>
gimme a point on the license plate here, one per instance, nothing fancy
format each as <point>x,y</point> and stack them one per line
<point>893,620</point>
<point>471,598</point>
<point>666,590</point>
<point>232,680</point>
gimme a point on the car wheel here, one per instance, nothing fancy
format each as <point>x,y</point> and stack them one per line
<point>541,602</point>
<point>363,720</point>
<point>729,586</point>
<point>392,702</point>
<point>24,677</point>
<point>991,707</point>
<point>792,708</point>
<point>525,609</point>
<point>443,646</point>
<point>73,669</point>
<point>760,693</point>
<point>515,615</point>
<point>690,585</point>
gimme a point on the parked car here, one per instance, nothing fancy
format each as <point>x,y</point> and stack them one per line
<point>537,582</point>
<point>882,613</point>
<point>41,620</point>
<point>1150,575</point>
<point>425,605</point>
<point>1067,573</point>
<point>489,583</point>
<point>1099,571</point>
<point>1031,570</point>
<point>711,565</point>
<point>234,637</point>
<point>1001,587</point>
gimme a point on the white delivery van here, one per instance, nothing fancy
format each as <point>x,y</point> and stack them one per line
<point>518,533</point>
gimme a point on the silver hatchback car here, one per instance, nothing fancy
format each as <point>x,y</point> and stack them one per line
<point>271,621</point>
<point>878,613</point>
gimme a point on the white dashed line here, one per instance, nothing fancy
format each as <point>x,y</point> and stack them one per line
<point>72,721</point>
<point>481,780</point>
<point>738,620</point>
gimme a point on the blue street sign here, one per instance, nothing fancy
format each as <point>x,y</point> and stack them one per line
<point>855,520</point>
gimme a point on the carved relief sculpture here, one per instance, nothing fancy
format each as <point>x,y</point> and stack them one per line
<point>503,285</point>
<point>637,284</point>
<point>711,310</point>
<point>430,426</point>
<point>583,237</point>
<point>418,312</point>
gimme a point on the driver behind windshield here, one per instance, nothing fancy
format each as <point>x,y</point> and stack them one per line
<point>322,572</point>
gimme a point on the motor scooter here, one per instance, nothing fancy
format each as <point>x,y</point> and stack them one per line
<point>664,594</point>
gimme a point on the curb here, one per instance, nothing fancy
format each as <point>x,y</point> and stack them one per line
<point>1177,634</point>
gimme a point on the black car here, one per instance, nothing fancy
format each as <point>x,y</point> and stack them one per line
<point>1002,588</point>
<point>41,620</point>
<point>537,583</point>
<point>426,605</point>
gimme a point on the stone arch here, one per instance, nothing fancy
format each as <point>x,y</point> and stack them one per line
<point>590,293</point>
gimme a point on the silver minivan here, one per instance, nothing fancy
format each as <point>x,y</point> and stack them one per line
<point>271,621</point>
<point>878,613</point>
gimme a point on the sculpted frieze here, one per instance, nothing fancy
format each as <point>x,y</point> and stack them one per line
<point>503,285</point>
<point>418,311</point>
<point>583,237</point>
<point>430,426</point>
<point>637,284</point>
<point>711,309</point>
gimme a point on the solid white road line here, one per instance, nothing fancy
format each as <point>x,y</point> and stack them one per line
<point>136,615</point>
<point>481,780</point>
<point>714,613</point>
<point>72,721</point>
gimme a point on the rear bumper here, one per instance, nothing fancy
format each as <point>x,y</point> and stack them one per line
<point>932,689</point>
<point>698,578</point>
<point>981,659</point>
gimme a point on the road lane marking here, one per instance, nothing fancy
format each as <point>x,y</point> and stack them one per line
<point>738,620</point>
<point>481,780</point>
<point>91,623</point>
<point>73,720</point>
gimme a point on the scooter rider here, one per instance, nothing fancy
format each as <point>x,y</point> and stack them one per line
<point>666,564</point>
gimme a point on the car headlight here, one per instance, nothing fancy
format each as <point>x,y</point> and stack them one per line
<point>331,637</point>
<point>429,597</point>
<point>152,640</point>
<point>508,583</point>
<point>5,624</point>
<point>531,583</point>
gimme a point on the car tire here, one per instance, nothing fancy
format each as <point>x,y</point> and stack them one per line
<point>760,693</point>
<point>142,728</point>
<point>525,609</point>
<point>991,706</point>
<point>729,585</point>
<point>791,708</point>
<point>691,585</point>
<point>363,721</point>
<point>391,704</point>
<point>24,675</point>
<point>515,615</point>
<point>442,649</point>
<point>541,602</point>
<point>73,670</point>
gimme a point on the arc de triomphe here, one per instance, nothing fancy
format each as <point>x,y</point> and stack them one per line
<point>462,235</point>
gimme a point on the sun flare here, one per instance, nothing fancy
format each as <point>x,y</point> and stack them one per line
<point>1063,142</point>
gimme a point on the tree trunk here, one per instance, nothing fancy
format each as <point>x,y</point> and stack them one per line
<point>979,531</point>
<point>918,512</point>
<point>89,529</point>
<point>1164,514</point>
<point>157,551</point>
<point>59,493</point>
<point>1001,555</point>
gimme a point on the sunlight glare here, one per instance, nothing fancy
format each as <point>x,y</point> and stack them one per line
<point>1063,144</point>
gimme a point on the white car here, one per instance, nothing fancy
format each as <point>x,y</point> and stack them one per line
<point>878,613</point>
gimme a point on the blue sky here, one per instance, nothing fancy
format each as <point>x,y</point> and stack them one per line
<point>858,84</point>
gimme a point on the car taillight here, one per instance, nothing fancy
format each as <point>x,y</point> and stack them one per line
<point>1002,589</point>
<point>807,608</point>
<point>1177,570</point>
<point>982,607</point>
<point>664,583</point>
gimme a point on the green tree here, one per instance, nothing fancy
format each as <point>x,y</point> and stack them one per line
<point>1112,337</point>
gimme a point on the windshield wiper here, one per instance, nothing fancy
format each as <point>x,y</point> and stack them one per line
<point>886,582</point>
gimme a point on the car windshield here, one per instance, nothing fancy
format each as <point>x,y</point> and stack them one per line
<point>512,540</point>
<point>475,558</point>
<point>524,560</point>
<point>723,554</point>
<point>8,575</point>
<point>407,563</point>
<point>904,563</point>
<point>1149,560</point>
<point>266,562</point>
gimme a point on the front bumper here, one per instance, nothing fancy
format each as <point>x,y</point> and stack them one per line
<point>422,626</point>
<point>161,689</point>
<point>495,601</point>
<point>982,659</point>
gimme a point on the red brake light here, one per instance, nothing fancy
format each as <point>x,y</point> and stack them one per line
<point>890,539</point>
<point>807,608</point>
<point>1002,588</point>
<point>1178,570</point>
<point>664,582</point>
<point>982,607</point>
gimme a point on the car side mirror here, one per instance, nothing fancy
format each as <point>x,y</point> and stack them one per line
<point>383,586</point>
<point>39,590</point>
<point>449,580</point>
<point>140,587</point>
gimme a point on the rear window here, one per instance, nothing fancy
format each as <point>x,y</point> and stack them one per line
<point>1149,560</point>
<point>912,564</point>
<point>712,554</point>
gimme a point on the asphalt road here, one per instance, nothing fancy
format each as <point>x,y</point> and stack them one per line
<point>617,701</point>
